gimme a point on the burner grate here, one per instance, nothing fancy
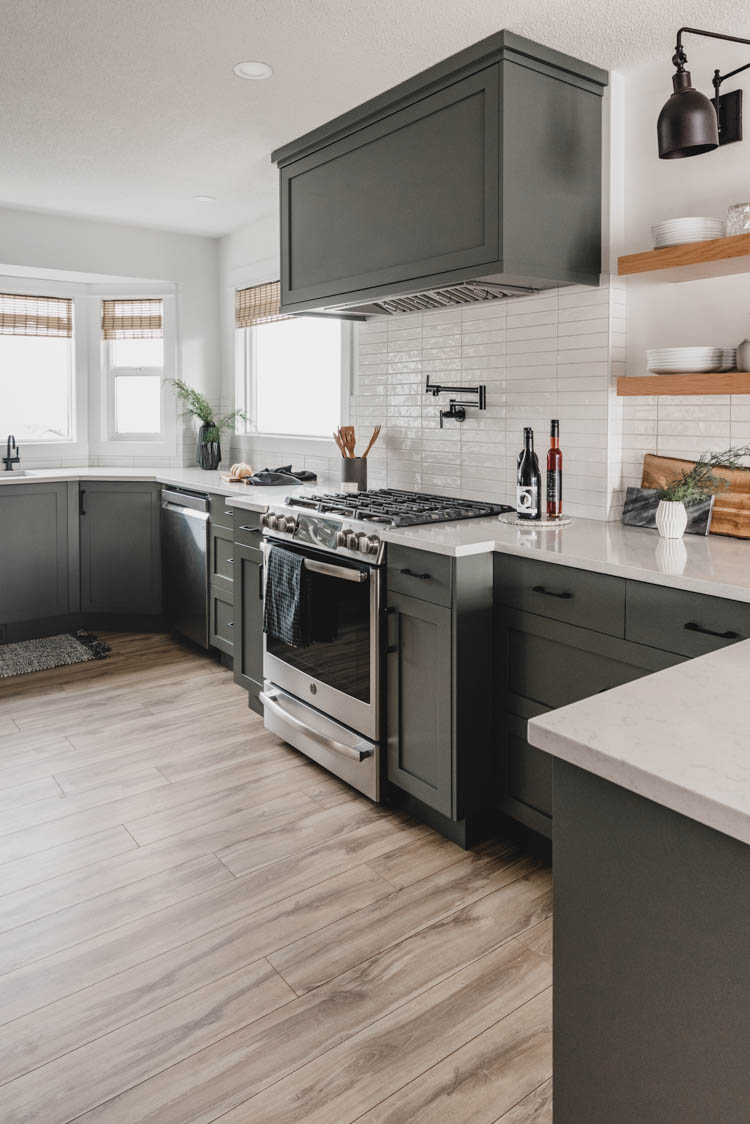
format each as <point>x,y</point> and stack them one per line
<point>395,507</point>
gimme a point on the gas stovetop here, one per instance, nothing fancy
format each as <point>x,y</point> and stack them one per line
<point>391,507</point>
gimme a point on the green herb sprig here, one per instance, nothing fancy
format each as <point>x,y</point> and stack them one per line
<point>198,406</point>
<point>700,481</point>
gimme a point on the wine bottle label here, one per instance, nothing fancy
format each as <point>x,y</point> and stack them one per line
<point>527,500</point>
<point>554,486</point>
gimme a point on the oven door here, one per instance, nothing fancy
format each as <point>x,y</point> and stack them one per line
<point>338,675</point>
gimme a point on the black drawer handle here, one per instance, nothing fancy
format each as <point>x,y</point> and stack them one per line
<point>229,561</point>
<point>252,530</point>
<point>229,513</point>
<point>551,593</point>
<point>411,574</point>
<point>691,626</point>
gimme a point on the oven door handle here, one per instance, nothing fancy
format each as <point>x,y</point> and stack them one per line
<point>343,572</point>
<point>356,752</point>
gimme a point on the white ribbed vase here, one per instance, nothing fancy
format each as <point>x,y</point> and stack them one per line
<point>671,519</point>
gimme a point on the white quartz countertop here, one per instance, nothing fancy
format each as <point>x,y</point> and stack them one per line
<point>678,737</point>
<point>713,565</point>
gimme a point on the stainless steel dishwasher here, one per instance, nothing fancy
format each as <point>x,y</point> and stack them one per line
<point>184,554</point>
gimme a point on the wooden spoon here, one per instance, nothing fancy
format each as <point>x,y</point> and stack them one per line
<point>349,438</point>
<point>373,439</point>
<point>338,441</point>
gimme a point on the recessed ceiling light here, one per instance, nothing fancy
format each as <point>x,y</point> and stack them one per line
<point>204,198</point>
<point>253,69</point>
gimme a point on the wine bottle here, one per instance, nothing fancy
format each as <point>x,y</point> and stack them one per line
<point>554,472</point>
<point>528,480</point>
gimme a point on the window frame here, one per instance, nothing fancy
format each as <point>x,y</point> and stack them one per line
<point>76,444</point>
<point>105,439</point>
<point>246,383</point>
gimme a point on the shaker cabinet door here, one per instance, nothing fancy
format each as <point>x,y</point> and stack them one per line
<point>120,548</point>
<point>420,718</point>
<point>412,195</point>
<point>33,552</point>
<point>248,620</point>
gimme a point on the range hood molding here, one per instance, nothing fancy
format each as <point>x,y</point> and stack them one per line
<point>479,175</point>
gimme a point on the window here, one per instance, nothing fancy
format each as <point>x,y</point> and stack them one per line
<point>133,360</point>
<point>36,367</point>
<point>292,372</point>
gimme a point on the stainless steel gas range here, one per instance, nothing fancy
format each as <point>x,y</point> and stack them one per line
<point>327,698</point>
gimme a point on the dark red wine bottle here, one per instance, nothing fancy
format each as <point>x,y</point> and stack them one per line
<point>528,498</point>
<point>554,472</point>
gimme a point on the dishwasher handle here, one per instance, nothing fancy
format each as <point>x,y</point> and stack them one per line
<point>190,503</point>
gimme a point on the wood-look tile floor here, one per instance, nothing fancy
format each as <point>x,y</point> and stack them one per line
<point>198,924</point>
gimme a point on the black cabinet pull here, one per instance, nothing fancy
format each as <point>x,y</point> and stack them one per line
<point>260,581</point>
<point>229,513</point>
<point>252,530</point>
<point>390,649</point>
<point>411,574</point>
<point>82,501</point>
<point>230,624</point>
<point>229,561</point>
<point>691,626</point>
<point>551,593</point>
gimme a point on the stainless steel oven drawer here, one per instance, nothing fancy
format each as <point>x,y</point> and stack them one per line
<point>349,756</point>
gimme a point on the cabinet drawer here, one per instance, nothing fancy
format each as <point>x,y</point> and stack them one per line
<point>420,573</point>
<point>678,621</point>
<point>221,558</point>
<point>579,597</point>
<point>247,528</point>
<point>221,515</point>
<point>555,664</point>
<point>222,620</point>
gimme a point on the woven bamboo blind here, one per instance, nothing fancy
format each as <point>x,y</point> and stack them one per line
<point>258,305</point>
<point>35,316</point>
<point>131,320</point>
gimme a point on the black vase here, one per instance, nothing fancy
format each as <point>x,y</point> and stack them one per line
<point>208,453</point>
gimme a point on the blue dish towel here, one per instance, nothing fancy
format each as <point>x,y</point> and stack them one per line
<point>285,615</point>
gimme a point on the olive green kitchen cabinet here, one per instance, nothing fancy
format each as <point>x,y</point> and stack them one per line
<point>438,669</point>
<point>120,548</point>
<point>38,557</point>
<point>248,607</point>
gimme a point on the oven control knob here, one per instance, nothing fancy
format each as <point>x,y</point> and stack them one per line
<point>288,524</point>
<point>272,522</point>
<point>371,544</point>
<point>264,519</point>
<point>340,538</point>
<point>352,540</point>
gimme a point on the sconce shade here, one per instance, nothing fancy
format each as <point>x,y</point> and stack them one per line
<point>687,124</point>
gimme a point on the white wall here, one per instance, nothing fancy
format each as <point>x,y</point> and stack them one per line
<point>660,314</point>
<point>39,241</point>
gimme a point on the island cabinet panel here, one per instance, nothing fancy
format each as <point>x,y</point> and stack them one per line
<point>120,548</point>
<point>34,553</point>
<point>420,735</point>
<point>248,621</point>
<point>652,985</point>
<point>680,621</point>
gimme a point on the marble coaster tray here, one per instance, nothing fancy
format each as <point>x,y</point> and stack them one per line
<point>533,524</point>
<point>641,504</point>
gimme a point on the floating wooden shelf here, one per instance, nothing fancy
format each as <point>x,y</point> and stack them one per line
<point>733,382</point>
<point>693,260</point>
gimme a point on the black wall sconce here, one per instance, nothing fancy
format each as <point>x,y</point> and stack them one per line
<point>690,123</point>
<point>457,409</point>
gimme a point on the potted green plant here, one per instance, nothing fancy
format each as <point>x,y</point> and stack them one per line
<point>208,452</point>
<point>694,484</point>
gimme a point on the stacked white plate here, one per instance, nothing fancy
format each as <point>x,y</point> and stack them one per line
<point>675,232</point>
<point>684,360</point>
<point>729,359</point>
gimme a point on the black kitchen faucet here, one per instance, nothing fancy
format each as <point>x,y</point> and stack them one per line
<point>9,460</point>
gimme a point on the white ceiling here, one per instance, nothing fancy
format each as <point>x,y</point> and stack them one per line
<point>125,109</point>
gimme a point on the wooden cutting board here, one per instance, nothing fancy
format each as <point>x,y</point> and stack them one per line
<point>731,514</point>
